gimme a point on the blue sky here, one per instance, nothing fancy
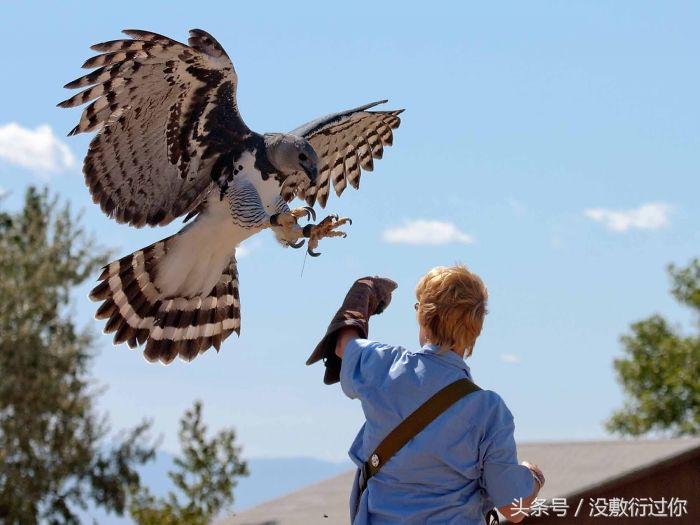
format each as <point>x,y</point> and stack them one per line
<point>554,147</point>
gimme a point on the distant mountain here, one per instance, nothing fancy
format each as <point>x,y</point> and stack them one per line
<point>274,477</point>
<point>269,478</point>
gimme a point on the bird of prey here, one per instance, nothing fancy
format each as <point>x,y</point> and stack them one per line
<point>171,142</point>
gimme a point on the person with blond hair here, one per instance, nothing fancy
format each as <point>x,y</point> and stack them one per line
<point>462,461</point>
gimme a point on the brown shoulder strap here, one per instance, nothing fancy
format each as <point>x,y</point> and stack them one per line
<point>417,421</point>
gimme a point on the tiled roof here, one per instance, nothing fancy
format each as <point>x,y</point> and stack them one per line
<point>570,468</point>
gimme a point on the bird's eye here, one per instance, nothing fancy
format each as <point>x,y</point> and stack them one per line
<point>303,157</point>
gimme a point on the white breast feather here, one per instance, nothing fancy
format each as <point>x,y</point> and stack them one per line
<point>197,256</point>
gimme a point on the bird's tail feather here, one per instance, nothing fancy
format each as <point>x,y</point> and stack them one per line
<point>137,312</point>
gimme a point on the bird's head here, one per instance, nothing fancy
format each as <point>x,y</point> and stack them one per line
<point>292,156</point>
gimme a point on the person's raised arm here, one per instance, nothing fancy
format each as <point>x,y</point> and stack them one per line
<point>367,296</point>
<point>344,337</point>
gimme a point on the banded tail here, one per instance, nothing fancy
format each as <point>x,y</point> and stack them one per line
<point>137,312</point>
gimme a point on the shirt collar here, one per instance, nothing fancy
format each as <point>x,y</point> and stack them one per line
<point>450,357</point>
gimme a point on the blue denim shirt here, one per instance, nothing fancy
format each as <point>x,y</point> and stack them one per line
<point>460,466</point>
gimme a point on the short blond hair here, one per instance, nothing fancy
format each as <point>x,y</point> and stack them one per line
<point>451,307</point>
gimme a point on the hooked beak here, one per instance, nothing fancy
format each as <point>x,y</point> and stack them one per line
<point>311,173</point>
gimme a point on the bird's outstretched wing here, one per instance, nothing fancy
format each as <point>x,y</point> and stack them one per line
<point>346,142</point>
<point>166,112</point>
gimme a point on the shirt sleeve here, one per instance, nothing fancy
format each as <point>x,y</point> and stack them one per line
<point>365,365</point>
<point>503,479</point>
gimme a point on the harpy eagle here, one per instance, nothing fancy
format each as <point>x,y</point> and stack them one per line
<point>170,142</point>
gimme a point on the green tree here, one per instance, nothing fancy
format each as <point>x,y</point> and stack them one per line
<point>205,476</point>
<point>661,371</point>
<point>55,454</point>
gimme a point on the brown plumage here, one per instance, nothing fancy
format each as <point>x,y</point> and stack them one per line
<point>170,142</point>
<point>171,327</point>
<point>346,145</point>
<point>150,163</point>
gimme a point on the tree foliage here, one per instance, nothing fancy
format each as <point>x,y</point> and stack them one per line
<point>661,370</point>
<point>54,453</point>
<point>205,477</point>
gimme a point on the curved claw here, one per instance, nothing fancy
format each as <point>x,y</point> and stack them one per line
<point>296,244</point>
<point>312,253</point>
<point>310,213</point>
<point>344,235</point>
<point>349,220</point>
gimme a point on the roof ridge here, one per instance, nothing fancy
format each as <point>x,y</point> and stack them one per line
<point>631,441</point>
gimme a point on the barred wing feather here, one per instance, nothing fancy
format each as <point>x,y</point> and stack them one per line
<point>346,143</point>
<point>164,112</point>
<point>136,312</point>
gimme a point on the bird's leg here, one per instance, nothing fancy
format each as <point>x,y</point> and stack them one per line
<point>291,232</point>
<point>306,211</point>
<point>326,228</point>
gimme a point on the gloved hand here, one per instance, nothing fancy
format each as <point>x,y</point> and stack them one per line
<point>367,296</point>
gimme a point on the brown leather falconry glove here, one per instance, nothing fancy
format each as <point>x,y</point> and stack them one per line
<point>367,296</point>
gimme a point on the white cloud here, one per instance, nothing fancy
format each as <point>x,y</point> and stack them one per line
<point>426,232</point>
<point>3,193</point>
<point>510,359</point>
<point>38,150</point>
<point>651,216</point>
